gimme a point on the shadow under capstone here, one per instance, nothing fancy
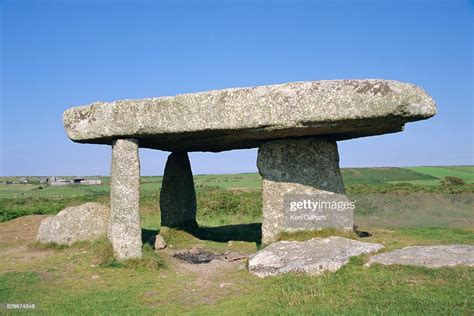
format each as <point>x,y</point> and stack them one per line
<point>238,232</point>
<point>147,233</point>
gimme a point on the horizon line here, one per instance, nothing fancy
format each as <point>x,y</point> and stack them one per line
<point>249,172</point>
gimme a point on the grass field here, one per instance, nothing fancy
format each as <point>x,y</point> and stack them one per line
<point>381,175</point>
<point>398,206</point>
<point>463,172</point>
<point>75,281</point>
<point>23,199</point>
<point>249,181</point>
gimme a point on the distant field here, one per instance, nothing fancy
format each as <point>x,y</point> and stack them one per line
<point>229,181</point>
<point>151,184</point>
<point>33,190</point>
<point>382,175</point>
<point>463,172</point>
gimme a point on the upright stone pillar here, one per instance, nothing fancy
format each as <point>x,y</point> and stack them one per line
<point>302,187</point>
<point>177,196</point>
<point>124,225</point>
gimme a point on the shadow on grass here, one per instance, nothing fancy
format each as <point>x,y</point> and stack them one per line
<point>147,233</point>
<point>239,232</point>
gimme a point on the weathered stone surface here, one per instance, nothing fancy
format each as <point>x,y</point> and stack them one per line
<point>177,196</point>
<point>77,223</point>
<point>428,256</point>
<point>160,242</point>
<point>124,226</point>
<point>297,170</point>
<point>313,256</point>
<point>157,242</point>
<point>246,117</point>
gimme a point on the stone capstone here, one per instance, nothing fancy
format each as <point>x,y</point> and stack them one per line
<point>77,223</point>
<point>247,117</point>
<point>177,195</point>
<point>296,172</point>
<point>313,256</point>
<point>124,226</point>
<point>428,256</point>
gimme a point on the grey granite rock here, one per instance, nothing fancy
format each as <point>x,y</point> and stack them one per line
<point>246,117</point>
<point>160,242</point>
<point>77,223</point>
<point>428,256</point>
<point>177,196</point>
<point>313,256</point>
<point>124,227</point>
<point>157,242</point>
<point>298,170</point>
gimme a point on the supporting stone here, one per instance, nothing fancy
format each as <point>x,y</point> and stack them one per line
<point>302,187</point>
<point>177,196</point>
<point>124,225</point>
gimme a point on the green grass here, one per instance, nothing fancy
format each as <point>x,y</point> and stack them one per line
<point>440,235</point>
<point>381,175</point>
<point>469,169</point>
<point>13,207</point>
<point>77,280</point>
<point>305,235</point>
<point>353,290</point>
<point>465,173</point>
<point>229,181</point>
<point>41,191</point>
<point>239,205</point>
<point>240,198</point>
<point>246,181</point>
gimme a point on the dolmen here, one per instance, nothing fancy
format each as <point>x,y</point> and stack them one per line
<point>295,127</point>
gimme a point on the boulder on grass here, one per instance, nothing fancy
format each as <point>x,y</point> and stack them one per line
<point>428,256</point>
<point>313,256</point>
<point>88,221</point>
<point>157,242</point>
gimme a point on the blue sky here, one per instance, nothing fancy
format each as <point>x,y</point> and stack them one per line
<point>58,54</point>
